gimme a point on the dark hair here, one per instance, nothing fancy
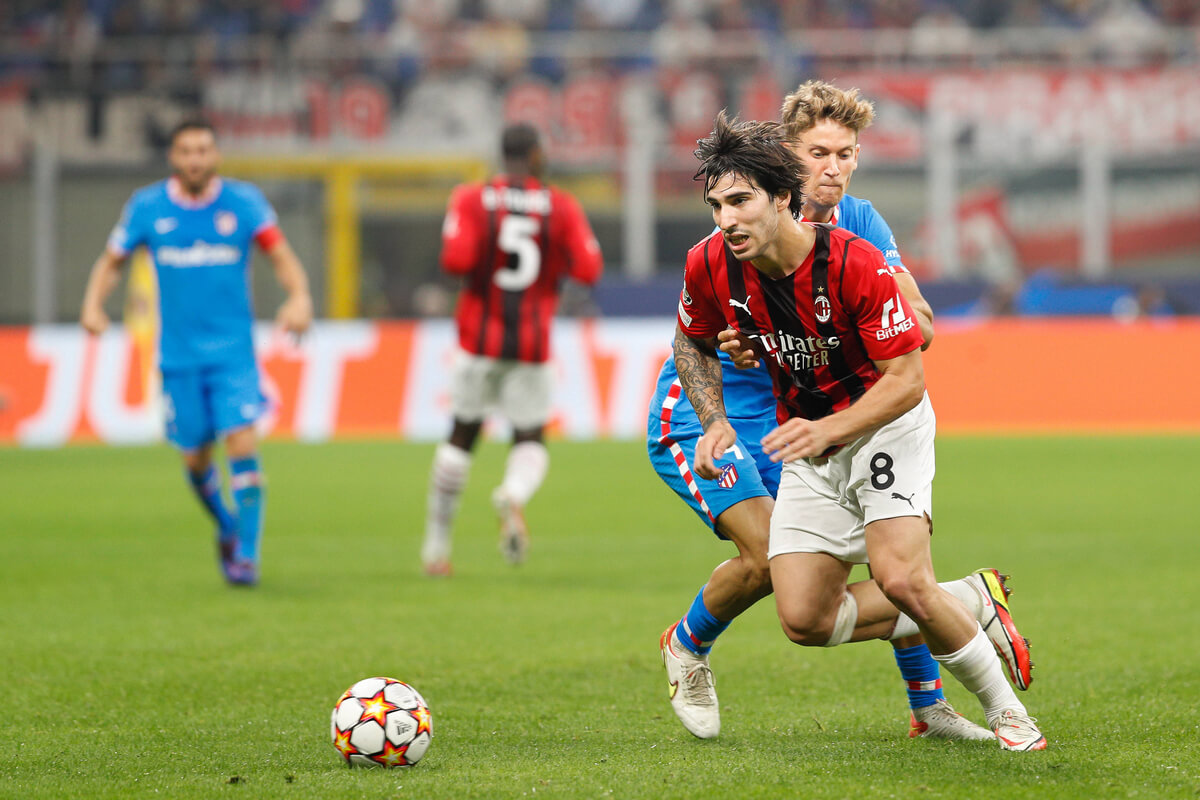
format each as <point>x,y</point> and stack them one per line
<point>754,151</point>
<point>518,141</point>
<point>190,124</point>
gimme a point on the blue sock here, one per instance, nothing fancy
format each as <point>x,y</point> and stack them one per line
<point>207,486</point>
<point>699,629</point>
<point>920,673</point>
<point>245,478</point>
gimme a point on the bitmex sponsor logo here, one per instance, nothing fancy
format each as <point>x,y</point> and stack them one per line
<point>200,254</point>
<point>894,320</point>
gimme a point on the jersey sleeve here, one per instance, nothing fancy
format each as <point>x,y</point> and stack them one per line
<point>886,321</point>
<point>462,233</point>
<point>261,219</point>
<point>584,260</point>
<point>699,313</point>
<point>876,231</point>
<point>131,229</point>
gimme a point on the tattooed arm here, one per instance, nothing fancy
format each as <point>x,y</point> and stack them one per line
<point>700,375</point>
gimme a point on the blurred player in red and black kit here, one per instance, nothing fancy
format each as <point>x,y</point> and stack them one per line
<point>513,240</point>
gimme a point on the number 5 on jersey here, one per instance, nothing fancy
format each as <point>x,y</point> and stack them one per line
<point>516,238</point>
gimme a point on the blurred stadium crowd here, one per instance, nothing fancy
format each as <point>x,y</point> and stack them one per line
<point>140,44</point>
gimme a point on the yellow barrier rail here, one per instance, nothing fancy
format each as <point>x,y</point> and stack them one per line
<point>341,177</point>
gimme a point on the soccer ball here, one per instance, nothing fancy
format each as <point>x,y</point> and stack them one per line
<point>381,722</point>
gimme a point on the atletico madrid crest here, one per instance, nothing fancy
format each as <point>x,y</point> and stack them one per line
<point>226,223</point>
<point>728,477</point>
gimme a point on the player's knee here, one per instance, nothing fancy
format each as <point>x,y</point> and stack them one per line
<point>758,577</point>
<point>908,591</point>
<point>806,629</point>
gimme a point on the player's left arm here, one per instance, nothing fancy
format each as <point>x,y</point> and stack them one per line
<point>900,387</point>
<point>876,230</point>
<point>582,248</point>
<point>296,312</point>
<point>920,306</point>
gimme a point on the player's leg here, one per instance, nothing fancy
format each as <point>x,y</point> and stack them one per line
<point>810,562</point>
<point>524,471</point>
<point>735,585</point>
<point>249,495</point>
<point>190,429</point>
<point>901,562</point>
<point>235,403</point>
<point>470,397</point>
<point>524,398</point>
<point>448,476</point>
<point>736,507</point>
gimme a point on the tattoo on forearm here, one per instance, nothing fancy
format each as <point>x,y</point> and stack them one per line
<point>700,375</point>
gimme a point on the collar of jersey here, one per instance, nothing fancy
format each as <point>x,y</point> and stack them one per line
<point>832,219</point>
<point>183,200</point>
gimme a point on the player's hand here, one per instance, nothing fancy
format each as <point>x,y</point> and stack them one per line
<point>739,348</point>
<point>296,313</point>
<point>797,438</point>
<point>93,320</point>
<point>711,446</point>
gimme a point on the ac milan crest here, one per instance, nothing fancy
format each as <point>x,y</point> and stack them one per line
<point>822,309</point>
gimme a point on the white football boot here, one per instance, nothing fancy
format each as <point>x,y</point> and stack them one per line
<point>1016,730</point>
<point>514,534</point>
<point>941,721</point>
<point>691,687</point>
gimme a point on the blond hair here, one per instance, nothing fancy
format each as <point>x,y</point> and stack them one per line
<point>814,101</point>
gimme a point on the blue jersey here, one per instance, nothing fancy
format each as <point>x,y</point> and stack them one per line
<point>748,392</point>
<point>201,252</point>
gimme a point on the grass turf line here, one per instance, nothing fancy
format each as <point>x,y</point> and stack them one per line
<point>131,670</point>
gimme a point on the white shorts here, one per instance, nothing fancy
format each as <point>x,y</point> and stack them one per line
<point>518,390</point>
<point>824,504</point>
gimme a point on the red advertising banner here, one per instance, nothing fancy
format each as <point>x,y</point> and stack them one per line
<point>57,385</point>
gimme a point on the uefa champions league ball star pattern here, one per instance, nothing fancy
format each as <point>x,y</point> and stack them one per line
<point>381,722</point>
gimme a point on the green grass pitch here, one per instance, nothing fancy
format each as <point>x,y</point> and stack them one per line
<point>131,670</point>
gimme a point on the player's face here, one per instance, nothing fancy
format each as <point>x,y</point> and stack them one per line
<point>830,151</point>
<point>747,216</point>
<point>194,158</point>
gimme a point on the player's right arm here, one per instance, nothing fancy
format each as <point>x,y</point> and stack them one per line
<point>103,279</point>
<point>128,234</point>
<point>698,322</point>
<point>462,234</point>
<point>699,372</point>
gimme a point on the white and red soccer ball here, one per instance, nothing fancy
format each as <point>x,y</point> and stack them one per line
<point>381,722</point>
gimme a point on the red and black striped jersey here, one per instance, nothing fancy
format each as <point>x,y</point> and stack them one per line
<point>513,243</point>
<point>820,328</point>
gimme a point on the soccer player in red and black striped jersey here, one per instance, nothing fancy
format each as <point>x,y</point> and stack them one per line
<point>856,427</point>
<point>513,240</point>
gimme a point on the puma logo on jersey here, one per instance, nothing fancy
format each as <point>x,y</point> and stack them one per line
<point>743,306</point>
<point>898,496</point>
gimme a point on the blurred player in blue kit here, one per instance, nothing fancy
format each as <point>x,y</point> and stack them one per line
<point>199,229</point>
<point>823,124</point>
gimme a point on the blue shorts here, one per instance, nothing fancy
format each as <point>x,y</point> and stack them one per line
<point>205,403</point>
<point>746,471</point>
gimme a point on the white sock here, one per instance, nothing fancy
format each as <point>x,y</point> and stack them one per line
<point>962,589</point>
<point>524,471</point>
<point>977,667</point>
<point>446,480</point>
<point>847,616</point>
